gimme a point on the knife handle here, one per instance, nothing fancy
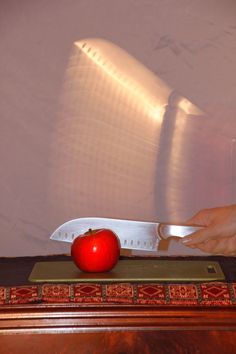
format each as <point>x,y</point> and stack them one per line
<point>169,230</point>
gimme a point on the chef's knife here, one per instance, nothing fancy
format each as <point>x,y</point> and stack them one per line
<point>133,235</point>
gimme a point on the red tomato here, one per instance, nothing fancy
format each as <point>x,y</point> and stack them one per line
<point>96,251</point>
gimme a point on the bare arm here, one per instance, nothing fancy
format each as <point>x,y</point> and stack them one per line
<point>219,234</point>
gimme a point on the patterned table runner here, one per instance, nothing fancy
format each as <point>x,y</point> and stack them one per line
<point>153,294</point>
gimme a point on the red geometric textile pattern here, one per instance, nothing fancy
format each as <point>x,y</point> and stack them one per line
<point>151,294</point>
<point>56,293</point>
<point>133,294</point>
<point>119,293</point>
<point>234,290</point>
<point>3,295</point>
<point>87,293</point>
<point>183,294</point>
<point>23,295</point>
<point>218,294</point>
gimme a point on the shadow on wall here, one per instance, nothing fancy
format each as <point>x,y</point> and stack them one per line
<point>128,146</point>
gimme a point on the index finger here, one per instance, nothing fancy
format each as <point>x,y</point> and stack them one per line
<point>200,236</point>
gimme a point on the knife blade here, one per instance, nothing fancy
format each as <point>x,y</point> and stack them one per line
<point>133,235</point>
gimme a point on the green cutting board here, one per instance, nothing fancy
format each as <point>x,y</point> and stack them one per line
<point>130,270</point>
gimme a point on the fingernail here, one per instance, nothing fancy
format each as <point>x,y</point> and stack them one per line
<point>186,240</point>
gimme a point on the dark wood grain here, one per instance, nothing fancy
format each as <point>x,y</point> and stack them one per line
<point>135,342</point>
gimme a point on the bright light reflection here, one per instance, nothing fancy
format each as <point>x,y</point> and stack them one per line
<point>188,107</point>
<point>148,101</point>
<point>94,249</point>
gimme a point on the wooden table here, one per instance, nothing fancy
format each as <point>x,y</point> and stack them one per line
<point>111,328</point>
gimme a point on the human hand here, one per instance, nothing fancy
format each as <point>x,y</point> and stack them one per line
<point>219,234</point>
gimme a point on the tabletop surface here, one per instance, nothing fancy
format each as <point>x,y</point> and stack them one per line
<point>16,271</point>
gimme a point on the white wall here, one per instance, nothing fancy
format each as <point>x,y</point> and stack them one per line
<point>188,44</point>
